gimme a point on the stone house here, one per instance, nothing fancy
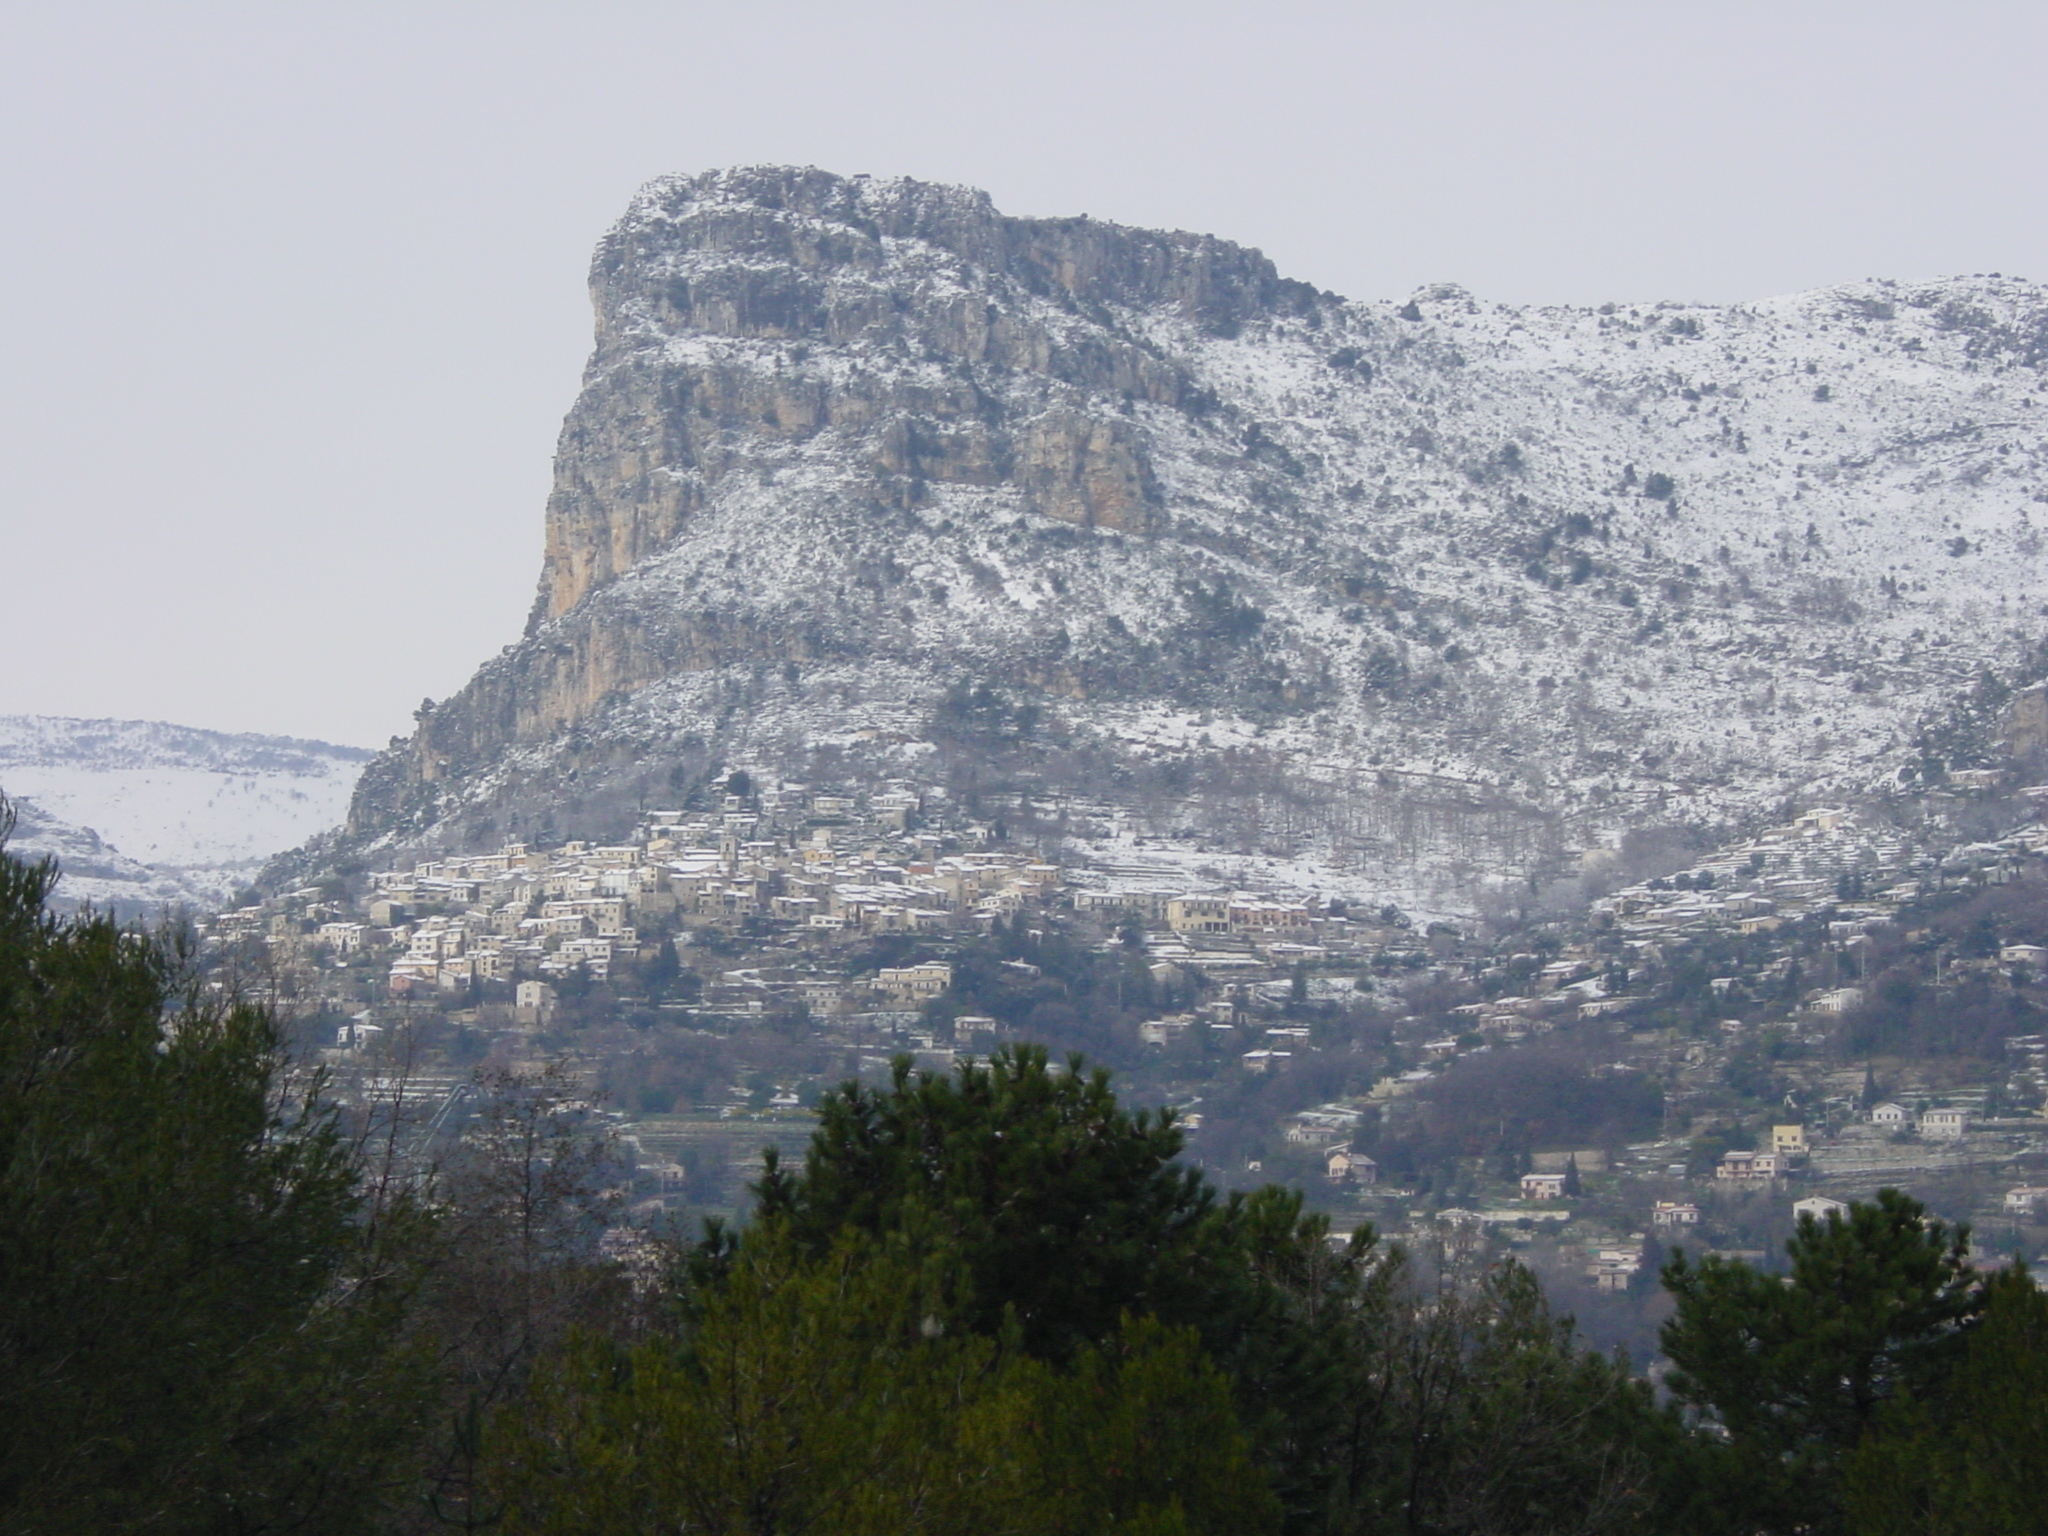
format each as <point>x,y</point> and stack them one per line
<point>916,983</point>
<point>1740,1166</point>
<point>1837,1000</point>
<point>1612,1268</point>
<point>1305,1131</point>
<point>1944,1124</point>
<point>1344,1166</point>
<point>1163,1031</point>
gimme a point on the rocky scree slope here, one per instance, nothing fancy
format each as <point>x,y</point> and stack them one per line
<point>866,478</point>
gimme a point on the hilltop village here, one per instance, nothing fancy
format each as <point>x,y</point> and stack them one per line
<point>1703,1055</point>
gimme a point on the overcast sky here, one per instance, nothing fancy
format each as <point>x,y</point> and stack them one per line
<point>291,295</point>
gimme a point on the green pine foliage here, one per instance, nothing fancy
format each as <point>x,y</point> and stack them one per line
<point>831,1394</point>
<point>1471,1408</point>
<point>1059,1205</point>
<point>195,1325</point>
<point>1372,1393</point>
<point>1797,1372</point>
<point>1971,1458</point>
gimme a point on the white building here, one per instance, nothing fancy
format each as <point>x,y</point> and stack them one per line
<point>1838,1000</point>
<point>914,982</point>
<point>1944,1124</point>
<point>358,1033</point>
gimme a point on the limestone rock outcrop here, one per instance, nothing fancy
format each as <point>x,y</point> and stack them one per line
<point>1440,575</point>
<point>785,277</point>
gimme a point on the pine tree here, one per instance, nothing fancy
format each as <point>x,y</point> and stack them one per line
<point>831,1394</point>
<point>1065,1215</point>
<point>1973,1458</point>
<point>1062,1206</point>
<point>1797,1370</point>
<point>194,1322</point>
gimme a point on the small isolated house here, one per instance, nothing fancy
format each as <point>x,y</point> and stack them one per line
<point>1945,1124</point>
<point>1543,1186</point>
<point>1310,1133</point>
<point>1750,1165</point>
<point>1837,1000</point>
<point>1344,1166</point>
<point>357,1033</point>
<point>2026,1200</point>
<point>534,1002</point>
<point>1819,1207</point>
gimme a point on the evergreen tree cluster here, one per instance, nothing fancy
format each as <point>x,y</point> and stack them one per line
<point>993,1302</point>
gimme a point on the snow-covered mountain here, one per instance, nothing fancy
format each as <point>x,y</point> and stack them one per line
<point>867,479</point>
<point>140,813</point>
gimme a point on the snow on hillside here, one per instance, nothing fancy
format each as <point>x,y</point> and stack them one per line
<point>1476,585</point>
<point>93,872</point>
<point>141,812</point>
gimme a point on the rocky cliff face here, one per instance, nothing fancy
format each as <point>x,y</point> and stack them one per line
<point>1435,585</point>
<point>910,329</point>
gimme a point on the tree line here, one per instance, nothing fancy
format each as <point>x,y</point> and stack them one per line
<point>995,1300</point>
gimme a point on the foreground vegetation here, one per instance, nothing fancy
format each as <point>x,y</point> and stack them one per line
<point>995,1301</point>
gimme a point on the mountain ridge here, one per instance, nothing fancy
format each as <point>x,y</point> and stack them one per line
<point>142,814</point>
<point>847,447</point>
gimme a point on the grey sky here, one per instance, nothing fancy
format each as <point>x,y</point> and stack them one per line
<point>291,296</point>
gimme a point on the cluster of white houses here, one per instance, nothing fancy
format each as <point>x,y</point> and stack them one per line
<point>1940,1124</point>
<point>816,865</point>
<point>1784,873</point>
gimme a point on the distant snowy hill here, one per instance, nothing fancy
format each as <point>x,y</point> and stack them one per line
<point>141,813</point>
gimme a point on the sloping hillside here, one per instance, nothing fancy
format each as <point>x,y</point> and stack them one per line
<point>140,812</point>
<point>867,480</point>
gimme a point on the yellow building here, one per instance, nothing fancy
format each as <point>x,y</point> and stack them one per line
<point>1198,914</point>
